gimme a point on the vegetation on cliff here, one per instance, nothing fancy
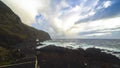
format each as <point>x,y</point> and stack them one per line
<point>13,32</point>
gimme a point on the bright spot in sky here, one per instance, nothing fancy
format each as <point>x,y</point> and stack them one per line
<point>70,18</point>
<point>107,4</point>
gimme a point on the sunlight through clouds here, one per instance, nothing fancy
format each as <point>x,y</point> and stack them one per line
<point>100,26</point>
<point>63,18</point>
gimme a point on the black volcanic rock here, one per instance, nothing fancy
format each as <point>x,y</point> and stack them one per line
<point>13,31</point>
<point>59,57</point>
<point>54,49</point>
<point>96,54</point>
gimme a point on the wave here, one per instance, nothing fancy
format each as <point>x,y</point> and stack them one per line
<point>75,45</point>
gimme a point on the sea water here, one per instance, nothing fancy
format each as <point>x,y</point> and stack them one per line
<point>111,46</point>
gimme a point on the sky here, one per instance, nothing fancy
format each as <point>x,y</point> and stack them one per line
<point>70,18</point>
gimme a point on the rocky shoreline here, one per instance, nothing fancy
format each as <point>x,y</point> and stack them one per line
<point>53,56</point>
<point>59,57</point>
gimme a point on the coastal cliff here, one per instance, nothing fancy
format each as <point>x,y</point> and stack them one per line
<point>14,32</point>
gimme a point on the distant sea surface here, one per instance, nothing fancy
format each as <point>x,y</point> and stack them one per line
<point>111,46</point>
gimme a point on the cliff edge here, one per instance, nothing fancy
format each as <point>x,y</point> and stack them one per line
<point>13,34</point>
<point>13,31</point>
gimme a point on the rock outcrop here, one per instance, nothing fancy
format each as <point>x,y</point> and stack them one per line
<point>58,57</point>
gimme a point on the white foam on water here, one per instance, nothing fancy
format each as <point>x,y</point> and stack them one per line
<point>74,45</point>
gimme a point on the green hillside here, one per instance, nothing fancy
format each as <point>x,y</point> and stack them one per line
<point>13,32</point>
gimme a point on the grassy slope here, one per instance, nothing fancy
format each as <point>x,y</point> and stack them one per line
<point>12,32</point>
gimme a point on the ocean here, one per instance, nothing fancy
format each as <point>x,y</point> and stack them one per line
<point>111,46</point>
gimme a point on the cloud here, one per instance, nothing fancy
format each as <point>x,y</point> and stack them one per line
<point>63,20</point>
<point>98,34</point>
<point>26,9</point>
<point>67,18</point>
<point>98,28</point>
<point>106,4</point>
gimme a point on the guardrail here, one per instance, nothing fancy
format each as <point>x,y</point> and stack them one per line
<point>16,64</point>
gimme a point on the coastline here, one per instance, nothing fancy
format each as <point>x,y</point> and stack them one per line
<point>59,57</point>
